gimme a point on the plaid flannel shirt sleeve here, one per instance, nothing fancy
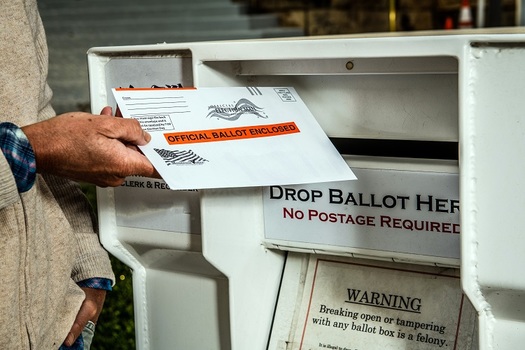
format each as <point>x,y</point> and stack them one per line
<point>96,283</point>
<point>19,154</point>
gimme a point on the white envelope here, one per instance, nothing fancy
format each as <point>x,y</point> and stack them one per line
<point>232,137</point>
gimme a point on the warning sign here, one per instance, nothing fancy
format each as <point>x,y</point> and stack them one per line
<point>353,305</point>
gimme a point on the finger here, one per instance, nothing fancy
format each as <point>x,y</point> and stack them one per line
<point>70,339</point>
<point>118,113</point>
<point>76,329</point>
<point>141,165</point>
<point>156,175</point>
<point>130,131</point>
<point>145,168</point>
<point>107,111</point>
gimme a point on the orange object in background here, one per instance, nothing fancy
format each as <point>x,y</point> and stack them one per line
<point>449,23</point>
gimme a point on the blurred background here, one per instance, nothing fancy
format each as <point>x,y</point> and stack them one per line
<point>74,26</point>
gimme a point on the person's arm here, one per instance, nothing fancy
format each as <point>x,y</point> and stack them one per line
<point>98,149</point>
<point>95,290</point>
<point>92,268</point>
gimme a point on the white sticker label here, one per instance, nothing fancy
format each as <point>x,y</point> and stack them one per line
<point>351,306</point>
<point>387,210</point>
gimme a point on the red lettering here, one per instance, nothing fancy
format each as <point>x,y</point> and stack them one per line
<point>385,221</point>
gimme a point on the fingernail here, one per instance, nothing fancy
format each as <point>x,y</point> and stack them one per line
<point>147,136</point>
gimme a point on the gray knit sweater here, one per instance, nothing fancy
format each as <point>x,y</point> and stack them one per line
<point>47,238</point>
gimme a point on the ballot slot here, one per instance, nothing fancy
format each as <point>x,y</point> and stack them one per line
<point>387,99</point>
<point>411,149</point>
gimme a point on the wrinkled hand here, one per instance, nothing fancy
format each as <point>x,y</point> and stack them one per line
<point>98,149</point>
<point>89,311</point>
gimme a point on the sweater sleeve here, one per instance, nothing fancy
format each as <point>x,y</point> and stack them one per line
<point>92,260</point>
<point>8,190</point>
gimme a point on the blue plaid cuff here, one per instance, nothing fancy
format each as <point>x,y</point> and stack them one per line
<point>96,283</point>
<point>19,154</point>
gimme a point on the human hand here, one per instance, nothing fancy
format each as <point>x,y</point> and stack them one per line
<point>89,311</point>
<point>98,149</point>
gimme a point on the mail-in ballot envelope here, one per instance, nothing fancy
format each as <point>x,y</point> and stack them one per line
<point>232,137</point>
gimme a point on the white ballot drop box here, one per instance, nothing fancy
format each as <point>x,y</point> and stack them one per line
<point>423,251</point>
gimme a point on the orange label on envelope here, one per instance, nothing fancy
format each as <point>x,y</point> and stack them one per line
<point>226,134</point>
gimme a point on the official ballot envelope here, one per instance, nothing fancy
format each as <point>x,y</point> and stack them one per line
<point>232,137</point>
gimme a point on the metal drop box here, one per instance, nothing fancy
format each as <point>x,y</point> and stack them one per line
<point>423,251</point>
